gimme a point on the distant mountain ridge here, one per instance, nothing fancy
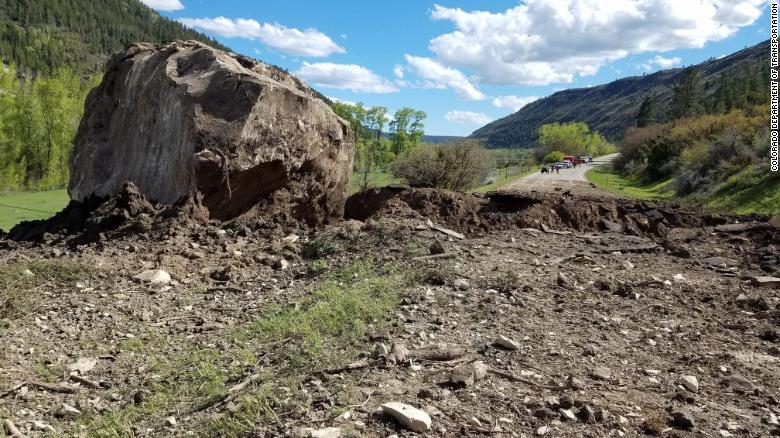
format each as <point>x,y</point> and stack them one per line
<point>610,108</point>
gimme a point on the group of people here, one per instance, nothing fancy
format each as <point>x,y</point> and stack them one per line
<point>555,167</point>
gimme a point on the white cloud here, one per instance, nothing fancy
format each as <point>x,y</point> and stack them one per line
<point>660,62</point>
<point>436,75</point>
<point>336,99</point>
<point>513,102</point>
<point>549,41</point>
<point>398,72</point>
<point>344,76</point>
<point>164,5</point>
<point>308,42</point>
<point>468,118</point>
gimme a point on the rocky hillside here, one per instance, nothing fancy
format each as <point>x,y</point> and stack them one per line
<point>610,108</point>
<point>42,35</point>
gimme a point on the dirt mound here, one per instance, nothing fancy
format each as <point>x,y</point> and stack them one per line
<point>126,212</point>
<point>497,210</point>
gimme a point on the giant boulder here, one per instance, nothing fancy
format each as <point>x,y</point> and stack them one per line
<point>184,118</point>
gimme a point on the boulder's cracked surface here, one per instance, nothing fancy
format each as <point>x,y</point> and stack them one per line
<point>181,118</point>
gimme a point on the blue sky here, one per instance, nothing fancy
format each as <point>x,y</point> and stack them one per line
<point>466,62</point>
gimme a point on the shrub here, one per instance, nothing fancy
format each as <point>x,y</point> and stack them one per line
<point>455,166</point>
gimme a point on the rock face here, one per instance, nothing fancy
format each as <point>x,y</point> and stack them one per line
<point>182,118</point>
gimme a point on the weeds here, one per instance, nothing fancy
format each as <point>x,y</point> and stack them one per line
<point>18,282</point>
<point>322,246</point>
<point>322,329</point>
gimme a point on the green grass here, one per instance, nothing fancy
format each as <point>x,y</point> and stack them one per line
<point>750,191</point>
<point>375,179</point>
<point>19,281</point>
<point>319,332</point>
<point>514,174</point>
<point>613,181</point>
<point>18,207</point>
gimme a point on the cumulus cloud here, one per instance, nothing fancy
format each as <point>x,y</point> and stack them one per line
<point>436,75</point>
<point>548,41</point>
<point>468,118</point>
<point>513,102</point>
<point>308,42</point>
<point>344,76</point>
<point>660,62</point>
<point>164,5</point>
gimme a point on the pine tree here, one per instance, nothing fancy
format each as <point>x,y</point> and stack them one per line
<point>687,96</point>
<point>646,114</point>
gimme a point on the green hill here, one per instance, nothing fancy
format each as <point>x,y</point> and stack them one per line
<point>42,35</point>
<point>611,108</point>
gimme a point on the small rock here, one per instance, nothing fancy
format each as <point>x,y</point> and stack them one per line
<point>545,414</point>
<point>281,264</point>
<point>155,276</point>
<point>576,383</point>
<point>586,414</point>
<point>504,342</point>
<point>68,411</point>
<point>469,373</point>
<point>563,280</point>
<point>764,281</point>
<point>679,278</point>
<point>171,421</point>
<point>398,354</point>
<point>601,373</point>
<point>628,265</point>
<point>775,221</point>
<point>328,432</point>
<point>83,365</point>
<point>544,430</point>
<point>567,415</point>
<point>292,238</point>
<point>682,420</point>
<point>690,383</point>
<point>40,425</point>
<point>460,283</point>
<point>410,417</point>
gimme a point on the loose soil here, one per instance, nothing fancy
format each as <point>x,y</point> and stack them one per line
<point>271,330</point>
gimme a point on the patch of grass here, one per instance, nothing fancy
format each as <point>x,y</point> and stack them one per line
<point>750,191</point>
<point>27,206</point>
<point>320,331</point>
<point>18,281</point>
<point>507,281</point>
<point>337,313</point>
<point>375,179</point>
<point>613,181</point>
<point>503,177</point>
<point>321,246</point>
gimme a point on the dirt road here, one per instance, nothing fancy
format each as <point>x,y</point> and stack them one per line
<point>566,179</point>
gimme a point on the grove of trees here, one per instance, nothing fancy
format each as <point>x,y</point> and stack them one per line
<point>38,122</point>
<point>374,150</point>
<point>571,139</point>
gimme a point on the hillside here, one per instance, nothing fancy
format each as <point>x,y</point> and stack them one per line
<point>611,108</point>
<point>41,35</point>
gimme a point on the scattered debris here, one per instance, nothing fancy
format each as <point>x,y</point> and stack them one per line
<point>469,373</point>
<point>154,276</point>
<point>410,417</point>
